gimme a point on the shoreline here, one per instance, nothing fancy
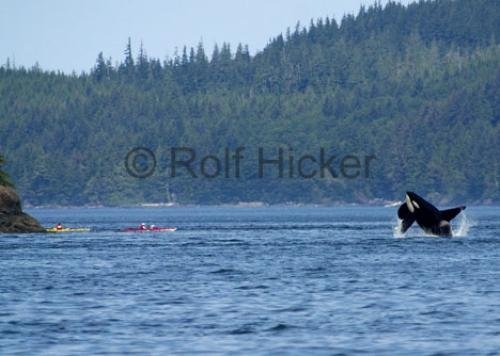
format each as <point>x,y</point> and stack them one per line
<point>389,205</point>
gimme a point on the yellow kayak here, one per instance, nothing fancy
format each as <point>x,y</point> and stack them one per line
<point>68,229</point>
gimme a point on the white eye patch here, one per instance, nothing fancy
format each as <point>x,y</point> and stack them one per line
<point>409,204</point>
<point>416,205</point>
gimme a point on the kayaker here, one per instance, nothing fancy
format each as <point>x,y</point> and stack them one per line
<point>143,227</point>
<point>59,226</point>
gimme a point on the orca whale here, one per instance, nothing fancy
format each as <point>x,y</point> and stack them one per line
<point>428,217</point>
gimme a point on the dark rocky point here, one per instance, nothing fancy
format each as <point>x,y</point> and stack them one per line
<point>12,217</point>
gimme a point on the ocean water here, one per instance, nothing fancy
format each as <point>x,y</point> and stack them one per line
<point>273,280</point>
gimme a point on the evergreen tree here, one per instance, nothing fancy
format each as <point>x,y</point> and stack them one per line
<point>128,64</point>
<point>101,69</point>
<point>142,64</point>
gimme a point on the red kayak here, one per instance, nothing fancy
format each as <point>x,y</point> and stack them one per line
<point>150,229</point>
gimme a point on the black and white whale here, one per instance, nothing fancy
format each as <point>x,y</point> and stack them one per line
<point>428,217</point>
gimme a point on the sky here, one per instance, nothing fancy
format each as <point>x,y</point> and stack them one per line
<point>67,35</point>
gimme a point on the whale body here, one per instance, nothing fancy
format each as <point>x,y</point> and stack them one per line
<point>428,217</point>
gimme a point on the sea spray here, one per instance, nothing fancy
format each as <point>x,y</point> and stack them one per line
<point>397,230</point>
<point>465,224</point>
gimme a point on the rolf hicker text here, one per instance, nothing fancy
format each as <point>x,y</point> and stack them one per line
<point>242,162</point>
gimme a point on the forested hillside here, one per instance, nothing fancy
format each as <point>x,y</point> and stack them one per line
<point>415,86</point>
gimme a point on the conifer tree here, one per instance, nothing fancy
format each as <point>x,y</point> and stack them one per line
<point>101,70</point>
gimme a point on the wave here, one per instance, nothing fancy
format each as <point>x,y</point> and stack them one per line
<point>397,230</point>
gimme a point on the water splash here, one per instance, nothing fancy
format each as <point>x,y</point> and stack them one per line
<point>464,225</point>
<point>397,230</point>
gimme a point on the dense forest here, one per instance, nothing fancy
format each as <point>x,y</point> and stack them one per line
<point>416,86</point>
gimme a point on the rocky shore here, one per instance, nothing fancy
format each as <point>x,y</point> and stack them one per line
<point>12,217</point>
